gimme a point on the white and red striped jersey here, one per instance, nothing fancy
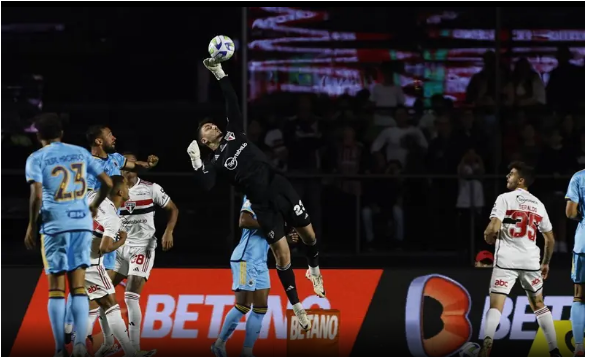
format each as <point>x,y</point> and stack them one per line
<point>522,214</point>
<point>107,222</point>
<point>138,213</point>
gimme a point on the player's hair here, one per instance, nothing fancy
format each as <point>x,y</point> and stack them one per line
<point>526,172</point>
<point>93,133</point>
<point>199,136</point>
<point>118,181</point>
<point>49,126</point>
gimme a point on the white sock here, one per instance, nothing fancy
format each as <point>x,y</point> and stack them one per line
<point>115,320</point>
<point>492,321</point>
<point>247,351</point>
<point>315,271</point>
<point>545,320</point>
<point>297,307</point>
<point>134,314</point>
<point>107,334</point>
<point>68,328</point>
<point>220,343</point>
<point>92,316</point>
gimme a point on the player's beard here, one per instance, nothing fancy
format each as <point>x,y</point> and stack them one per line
<point>110,149</point>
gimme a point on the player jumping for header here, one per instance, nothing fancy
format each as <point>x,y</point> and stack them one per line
<point>514,221</point>
<point>575,209</point>
<point>274,201</point>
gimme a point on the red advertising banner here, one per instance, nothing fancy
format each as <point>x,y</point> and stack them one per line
<point>183,311</point>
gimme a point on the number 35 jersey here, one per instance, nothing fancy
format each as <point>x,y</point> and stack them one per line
<point>522,214</point>
<point>138,213</point>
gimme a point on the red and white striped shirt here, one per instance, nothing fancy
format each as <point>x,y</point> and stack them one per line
<point>139,211</point>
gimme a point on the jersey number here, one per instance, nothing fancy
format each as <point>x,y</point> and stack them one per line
<point>527,224</point>
<point>138,259</point>
<point>299,209</point>
<point>63,194</point>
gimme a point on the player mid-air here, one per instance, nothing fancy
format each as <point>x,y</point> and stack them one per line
<point>136,258</point>
<point>57,174</point>
<point>575,209</point>
<point>273,199</point>
<point>251,283</point>
<point>102,146</point>
<point>107,227</point>
<point>514,221</point>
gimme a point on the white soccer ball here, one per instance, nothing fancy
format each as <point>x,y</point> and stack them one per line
<point>221,48</point>
<point>470,349</point>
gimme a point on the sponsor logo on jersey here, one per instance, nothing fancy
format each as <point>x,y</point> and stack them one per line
<point>521,199</point>
<point>229,136</point>
<point>232,162</point>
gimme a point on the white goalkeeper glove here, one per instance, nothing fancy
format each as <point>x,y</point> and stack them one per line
<point>195,153</point>
<point>214,67</point>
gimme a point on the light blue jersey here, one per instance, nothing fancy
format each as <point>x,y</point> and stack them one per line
<point>249,258</point>
<point>111,165</point>
<point>63,170</point>
<point>576,192</point>
<point>66,222</point>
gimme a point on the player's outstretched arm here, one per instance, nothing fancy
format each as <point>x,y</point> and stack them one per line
<point>232,104</point>
<point>492,230</point>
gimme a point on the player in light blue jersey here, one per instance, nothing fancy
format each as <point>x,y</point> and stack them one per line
<point>575,209</point>
<point>57,174</point>
<point>251,283</point>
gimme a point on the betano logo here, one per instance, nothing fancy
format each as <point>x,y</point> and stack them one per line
<point>184,310</point>
<point>456,304</point>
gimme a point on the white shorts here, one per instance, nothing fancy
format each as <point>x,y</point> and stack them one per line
<point>503,280</point>
<point>97,282</point>
<point>137,261</point>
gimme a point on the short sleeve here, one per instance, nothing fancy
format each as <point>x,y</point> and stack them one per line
<point>247,206</point>
<point>92,164</point>
<point>499,209</point>
<point>573,190</point>
<point>159,196</point>
<point>545,225</point>
<point>120,160</point>
<point>33,171</point>
<point>112,225</point>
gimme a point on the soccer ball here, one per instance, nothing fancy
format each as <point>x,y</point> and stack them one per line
<point>221,48</point>
<point>470,349</point>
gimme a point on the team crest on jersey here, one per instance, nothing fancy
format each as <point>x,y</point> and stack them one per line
<point>229,136</point>
<point>130,206</point>
<point>216,157</point>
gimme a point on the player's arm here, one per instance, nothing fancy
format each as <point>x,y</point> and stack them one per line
<point>232,105</point>
<point>492,230</point>
<point>549,244</point>
<point>496,217</point>
<point>573,198</point>
<point>112,229</point>
<point>34,176</point>
<point>204,173</point>
<point>247,218</point>
<point>162,199</point>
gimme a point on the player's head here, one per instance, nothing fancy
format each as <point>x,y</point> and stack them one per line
<point>101,136</point>
<point>119,189</point>
<point>521,175</point>
<point>48,127</point>
<point>208,134</point>
<point>129,175</point>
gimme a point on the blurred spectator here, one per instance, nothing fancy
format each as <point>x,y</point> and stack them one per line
<point>525,88</point>
<point>347,158</point>
<point>427,121</point>
<point>558,160</point>
<point>481,90</point>
<point>304,140</point>
<point>439,160</point>
<point>470,197</point>
<point>273,139</point>
<point>255,131</point>
<point>466,136</point>
<point>382,201</point>
<point>397,139</point>
<point>566,87</point>
<point>529,149</point>
<point>386,96</point>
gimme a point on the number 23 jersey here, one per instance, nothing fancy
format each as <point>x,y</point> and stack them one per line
<point>522,214</point>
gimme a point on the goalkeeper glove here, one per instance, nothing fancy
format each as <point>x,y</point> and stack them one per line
<point>214,67</point>
<point>195,154</point>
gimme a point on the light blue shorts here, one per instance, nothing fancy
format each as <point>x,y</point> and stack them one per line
<point>249,276</point>
<point>578,265</point>
<point>66,251</point>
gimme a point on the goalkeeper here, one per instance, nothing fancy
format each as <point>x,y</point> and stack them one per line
<point>274,201</point>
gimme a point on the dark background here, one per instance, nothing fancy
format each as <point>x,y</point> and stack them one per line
<point>138,70</point>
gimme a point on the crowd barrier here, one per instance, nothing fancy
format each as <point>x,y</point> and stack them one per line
<point>409,312</point>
